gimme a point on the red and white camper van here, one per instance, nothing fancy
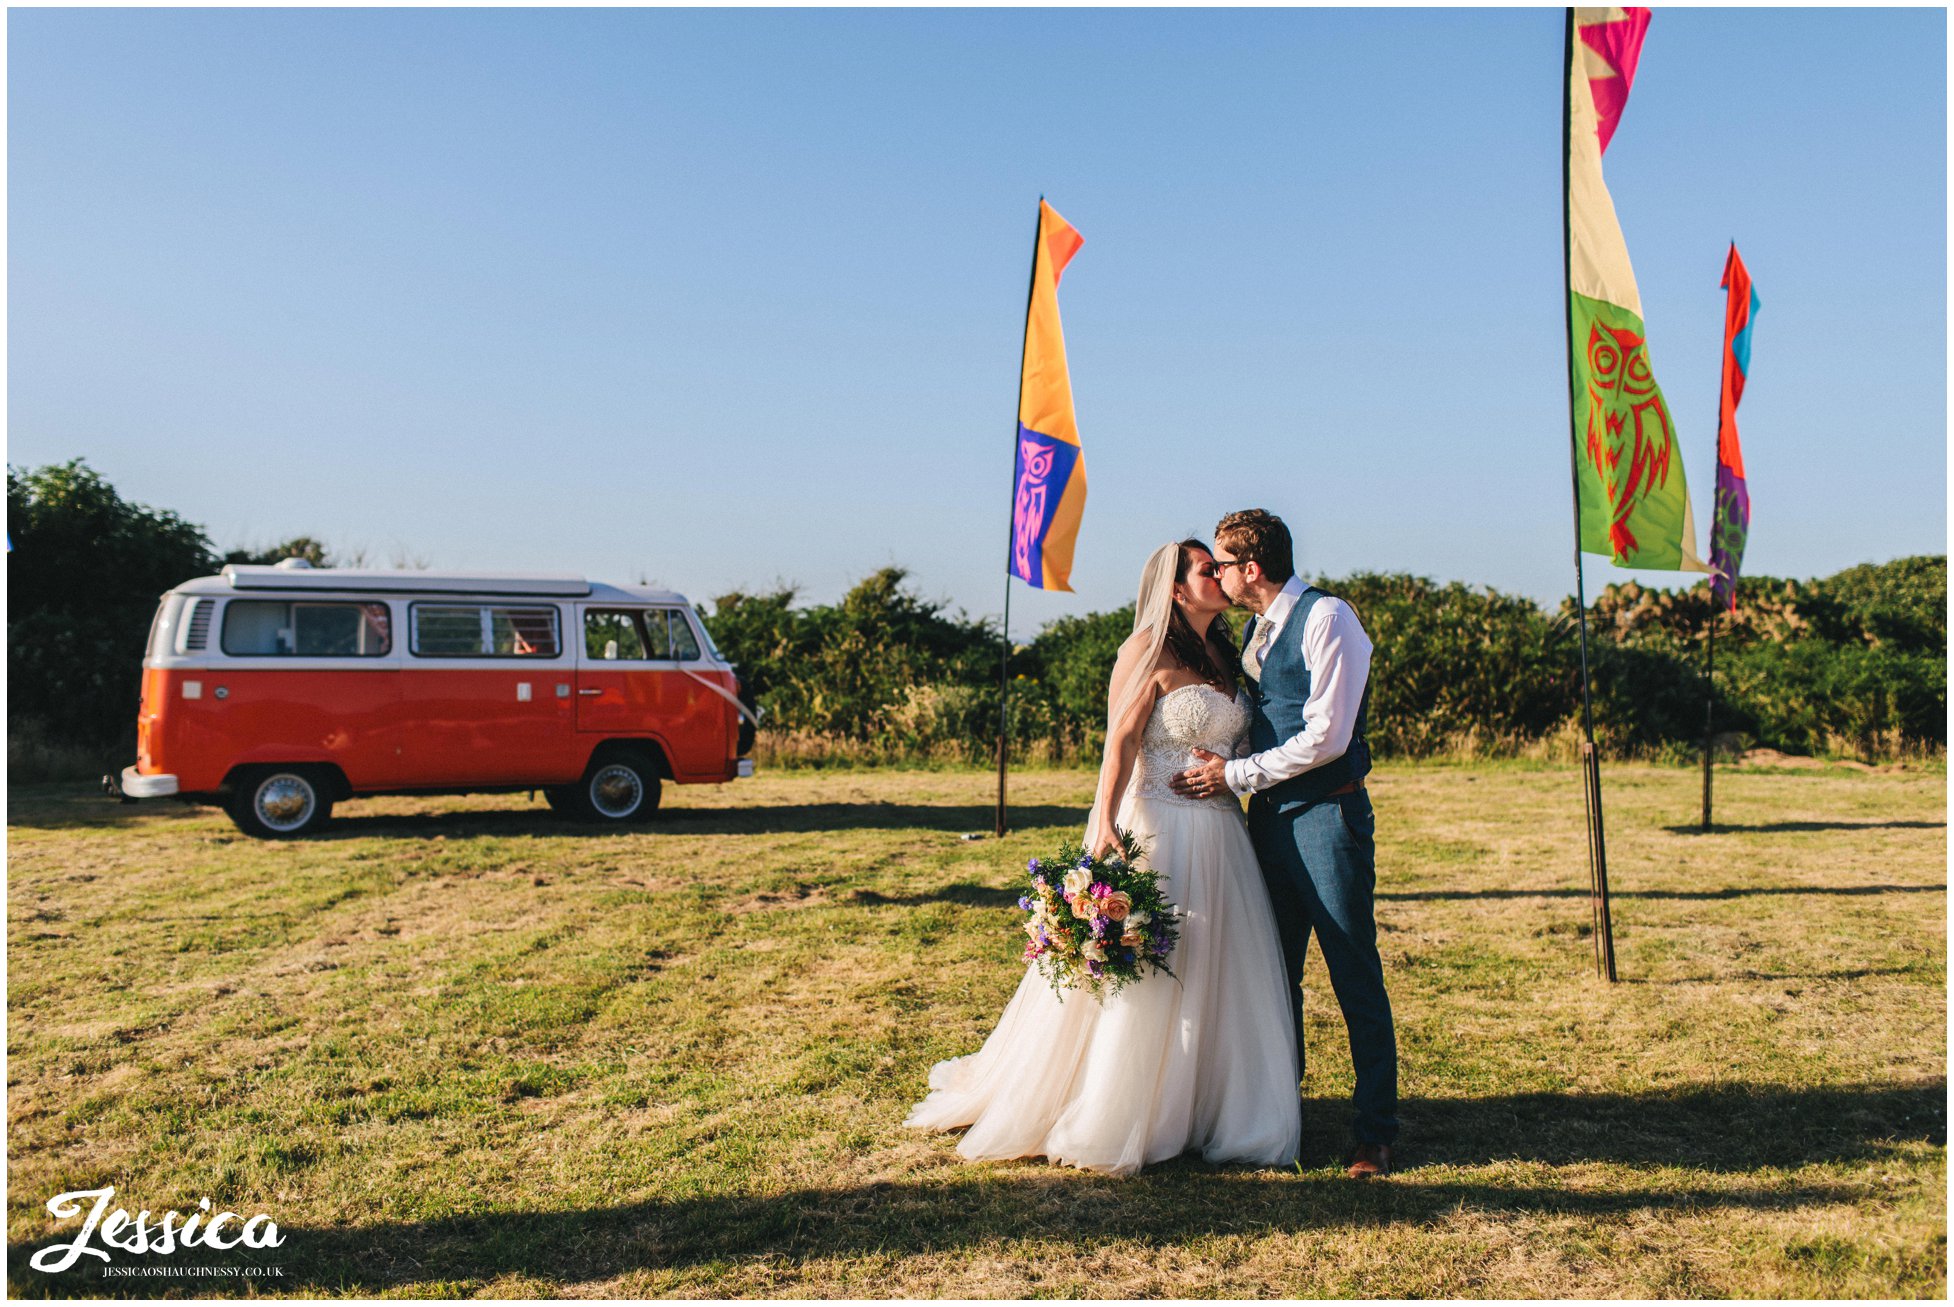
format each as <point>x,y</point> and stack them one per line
<point>277,691</point>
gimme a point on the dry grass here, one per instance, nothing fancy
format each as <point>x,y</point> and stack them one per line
<point>462,1048</point>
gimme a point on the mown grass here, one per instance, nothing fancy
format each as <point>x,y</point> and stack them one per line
<point>459,1047</point>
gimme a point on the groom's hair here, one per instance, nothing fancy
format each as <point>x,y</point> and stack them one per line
<point>1256,535</point>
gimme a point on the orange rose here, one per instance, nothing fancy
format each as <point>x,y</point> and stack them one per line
<point>1117,905</point>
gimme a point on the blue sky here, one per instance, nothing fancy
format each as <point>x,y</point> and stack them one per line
<point>724,298</point>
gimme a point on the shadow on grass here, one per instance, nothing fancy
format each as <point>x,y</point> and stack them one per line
<point>1732,1128</point>
<point>1726,1130</point>
<point>453,1255</point>
<point>1856,973</point>
<point>68,808</point>
<point>970,896</point>
<point>1791,827</point>
<point>806,818</point>
<point>1732,893</point>
<point>787,819</point>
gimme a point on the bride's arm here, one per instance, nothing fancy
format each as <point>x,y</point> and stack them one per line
<point>1122,742</point>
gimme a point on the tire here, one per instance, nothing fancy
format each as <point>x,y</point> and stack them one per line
<point>617,789</point>
<point>747,731</point>
<point>280,803</point>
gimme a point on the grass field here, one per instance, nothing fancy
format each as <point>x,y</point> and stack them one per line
<point>461,1047</point>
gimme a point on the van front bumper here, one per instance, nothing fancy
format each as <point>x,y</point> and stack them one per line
<point>137,785</point>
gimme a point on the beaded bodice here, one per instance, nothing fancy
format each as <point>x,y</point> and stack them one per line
<point>1192,717</point>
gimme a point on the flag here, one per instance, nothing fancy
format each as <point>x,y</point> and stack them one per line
<point>1730,523</point>
<point>1634,501</point>
<point>1048,490</point>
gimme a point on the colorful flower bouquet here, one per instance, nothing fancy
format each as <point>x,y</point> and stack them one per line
<point>1095,922</point>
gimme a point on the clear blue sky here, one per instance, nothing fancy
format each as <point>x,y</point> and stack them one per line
<point>716,298</point>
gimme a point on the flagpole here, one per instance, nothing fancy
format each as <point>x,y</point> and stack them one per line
<point>1710,687</point>
<point>1604,939</point>
<point>1011,533</point>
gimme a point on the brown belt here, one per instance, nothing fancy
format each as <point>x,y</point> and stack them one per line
<point>1342,790</point>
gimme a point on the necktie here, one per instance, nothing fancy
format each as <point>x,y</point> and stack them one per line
<point>1252,660</point>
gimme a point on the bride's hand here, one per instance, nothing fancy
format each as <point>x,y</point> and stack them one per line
<point>1106,845</point>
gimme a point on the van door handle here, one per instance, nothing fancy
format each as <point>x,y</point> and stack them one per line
<point>590,692</point>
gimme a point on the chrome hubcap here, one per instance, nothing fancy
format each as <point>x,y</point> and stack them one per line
<point>616,791</point>
<point>284,802</point>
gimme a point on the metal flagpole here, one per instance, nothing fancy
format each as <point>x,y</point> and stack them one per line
<point>1710,689</point>
<point>1604,938</point>
<point>1003,691</point>
<point>1011,535</point>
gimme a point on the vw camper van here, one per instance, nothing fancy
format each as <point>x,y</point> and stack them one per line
<point>277,691</point>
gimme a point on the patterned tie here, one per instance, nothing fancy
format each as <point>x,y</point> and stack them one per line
<point>1252,660</point>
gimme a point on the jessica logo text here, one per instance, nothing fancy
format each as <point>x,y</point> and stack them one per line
<point>139,1234</point>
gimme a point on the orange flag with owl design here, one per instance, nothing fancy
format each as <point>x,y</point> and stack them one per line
<point>1634,499</point>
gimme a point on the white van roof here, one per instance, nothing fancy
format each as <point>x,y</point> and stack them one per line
<point>555,585</point>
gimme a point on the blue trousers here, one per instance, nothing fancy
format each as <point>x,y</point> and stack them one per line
<point>1319,861</point>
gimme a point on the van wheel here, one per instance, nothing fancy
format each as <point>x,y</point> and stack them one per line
<point>618,788</point>
<point>279,803</point>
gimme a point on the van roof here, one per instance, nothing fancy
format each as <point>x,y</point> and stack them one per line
<point>556,585</point>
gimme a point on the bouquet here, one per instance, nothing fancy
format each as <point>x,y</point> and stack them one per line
<point>1095,922</point>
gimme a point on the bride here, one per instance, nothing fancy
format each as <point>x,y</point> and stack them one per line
<point>1203,1059</point>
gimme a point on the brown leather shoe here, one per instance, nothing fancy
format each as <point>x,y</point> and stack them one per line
<point>1370,1160</point>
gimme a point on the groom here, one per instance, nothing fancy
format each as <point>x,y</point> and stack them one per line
<point>1310,818</point>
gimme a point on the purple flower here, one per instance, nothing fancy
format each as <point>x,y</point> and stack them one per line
<point>1024,904</point>
<point>1099,927</point>
<point>1032,866</point>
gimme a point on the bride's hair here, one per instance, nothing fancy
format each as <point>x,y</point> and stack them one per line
<point>1159,627</point>
<point>1186,644</point>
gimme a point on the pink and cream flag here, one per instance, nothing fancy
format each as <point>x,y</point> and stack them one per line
<point>1634,499</point>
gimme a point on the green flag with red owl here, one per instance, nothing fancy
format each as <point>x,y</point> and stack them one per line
<point>1634,499</point>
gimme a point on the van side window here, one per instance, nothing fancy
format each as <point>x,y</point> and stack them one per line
<point>269,628</point>
<point>611,634</point>
<point>685,646</point>
<point>484,631</point>
<point>658,639</point>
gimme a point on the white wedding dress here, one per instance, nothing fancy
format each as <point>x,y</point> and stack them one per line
<point>1204,1059</point>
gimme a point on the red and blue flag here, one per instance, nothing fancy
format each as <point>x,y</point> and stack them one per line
<point>1730,523</point>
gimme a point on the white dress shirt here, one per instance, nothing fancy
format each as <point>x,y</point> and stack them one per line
<point>1338,655</point>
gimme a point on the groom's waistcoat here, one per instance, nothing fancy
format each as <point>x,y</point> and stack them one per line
<point>1278,715</point>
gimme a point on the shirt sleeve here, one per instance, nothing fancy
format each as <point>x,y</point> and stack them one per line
<point>1338,654</point>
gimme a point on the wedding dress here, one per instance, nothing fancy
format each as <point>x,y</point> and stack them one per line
<point>1204,1059</point>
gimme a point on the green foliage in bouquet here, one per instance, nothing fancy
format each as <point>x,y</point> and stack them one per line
<point>1096,923</point>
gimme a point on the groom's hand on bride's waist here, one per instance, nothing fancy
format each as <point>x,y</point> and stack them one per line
<point>1206,781</point>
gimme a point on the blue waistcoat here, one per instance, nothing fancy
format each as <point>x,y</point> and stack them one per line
<point>1278,715</point>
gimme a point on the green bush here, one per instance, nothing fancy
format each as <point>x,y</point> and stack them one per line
<point>1851,662</point>
<point>84,576</point>
<point>1455,661</point>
